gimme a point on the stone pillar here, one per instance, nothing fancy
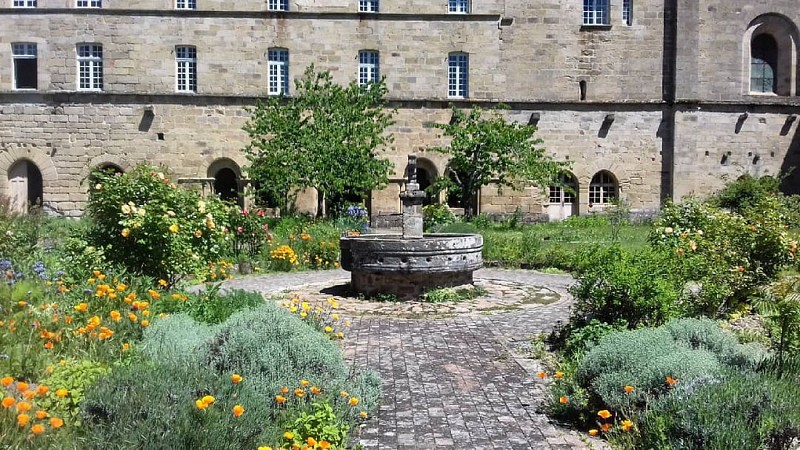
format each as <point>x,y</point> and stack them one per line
<point>412,199</point>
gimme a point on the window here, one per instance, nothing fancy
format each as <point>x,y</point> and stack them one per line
<point>595,12</point>
<point>368,67</point>
<point>564,192</point>
<point>763,64</point>
<point>186,4</point>
<point>603,189</point>
<point>457,75</point>
<point>90,67</point>
<point>368,6</point>
<point>278,71</point>
<point>25,66</point>
<point>90,3</point>
<point>278,5</point>
<point>627,12</point>
<point>24,4</point>
<point>458,6</point>
<point>186,68</point>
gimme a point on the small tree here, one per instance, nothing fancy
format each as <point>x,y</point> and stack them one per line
<point>325,137</point>
<point>486,150</point>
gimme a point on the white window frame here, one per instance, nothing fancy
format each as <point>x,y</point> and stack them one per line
<point>185,4</point>
<point>278,71</point>
<point>605,190</point>
<point>458,75</point>
<point>277,5</point>
<point>89,3</point>
<point>564,193</point>
<point>595,13</point>
<point>369,67</point>
<point>368,6</point>
<point>23,4</point>
<point>23,50</point>
<point>458,6</point>
<point>627,12</point>
<point>186,69</point>
<point>92,62</point>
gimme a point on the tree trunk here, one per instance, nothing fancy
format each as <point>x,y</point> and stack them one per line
<point>321,212</point>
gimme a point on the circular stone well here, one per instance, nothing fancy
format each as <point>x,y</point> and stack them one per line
<point>409,267</point>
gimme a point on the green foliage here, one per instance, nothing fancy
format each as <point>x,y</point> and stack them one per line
<point>321,423</point>
<point>437,216</point>
<point>684,349</point>
<point>746,192</point>
<point>579,340</point>
<point>146,224</point>
<point>460,227</point>
<point>212,306</point>
<point>725,256</point>
<point>637,288</point>
<point>325,136</point>
<point>490,150</point>
<point>249,232</point>
<point>736,410</point>
<point>178,339</point>
<point>19,233</point>
<point>781,307</point>
<point>452,295</point>
<point>77,378</point>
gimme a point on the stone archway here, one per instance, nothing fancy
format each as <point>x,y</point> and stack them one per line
<point>26,187</point>
<point>227,180</point>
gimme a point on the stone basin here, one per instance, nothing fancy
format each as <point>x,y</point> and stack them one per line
<point>409,267</point>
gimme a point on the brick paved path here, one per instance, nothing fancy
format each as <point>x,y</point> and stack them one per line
<point>453,383</point>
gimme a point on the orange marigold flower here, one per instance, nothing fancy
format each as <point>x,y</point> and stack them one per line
<point>200,404</point>
<point>41,414</point>
<point>8,402</point>
<point>236,378</point>
<point>82,307</point>
<point>29,395</point>
<point>23,407</point>
<point>563,400</point>
<point>671,381</point>
<point>285,390</point>
<point>61,393</point>
<point>353,401</point>
<point>311,441</point>
<point>344,394</point>
<point>593,432</point>
<point>55,422</point>
<point>133,317</point>
<point>628,389</point>
<point>6,381</point>
<point>299,392</point>
<point>605,414</point>
<point>145,323</point>
<point>304,383</point>
<point>23,419</point>
<point>208,399</point>
<point>42,390</point>
<point>238,410</point>
<point>115,316</point>
<point>627,425</point>
<point>605,427</point>
<point>324,445</point>
<point>541,374</point>
<point>315,390</point>
<point>280,399</point>
<point>48,345</point>
<point>22,386</point>
<point>558,375</point>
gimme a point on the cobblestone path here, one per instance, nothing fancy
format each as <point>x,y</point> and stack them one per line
<point>455,382</point>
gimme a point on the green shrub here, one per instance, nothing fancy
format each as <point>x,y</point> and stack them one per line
<point>684,349</point>
<point>502,247</point>
<point>736,411</point>
<point>460,227</point>
<point>77,378</point>
<point>177,339</point>
<point>152,404</point>
<point>212,306</point>
<point>148,225</point>
<point>638,288</point>
<point>746,192</point>
<point>436,216</point>
<point>321,423</point>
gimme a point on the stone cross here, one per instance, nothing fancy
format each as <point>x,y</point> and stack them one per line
<point>412,199</point>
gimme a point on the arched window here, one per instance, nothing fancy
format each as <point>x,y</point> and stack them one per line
<point>764,64</point>
<point>563,198</point>
<point>603,189</point>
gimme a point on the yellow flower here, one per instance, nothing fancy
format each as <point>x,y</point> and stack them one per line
<point>115,316</point>
<point>353,401</point>
<point>41,414</point>
<point>174,228</point>
<point>315,390</point>
<point>363,414</point>
<point>605,414</point>
<point>304,383</point>
<point>344,394</point>
<point>288,435</point>
<point>42,390</point>
<point>126,347</point>
<point>198,234</point>
<point>61,393</point>
<point>593,432</point>
<point>264,448</point>
<point>628,389</point>
<point>125,232</point>
<point>299,392</point>
<point>558,375</point>
<point>627,425</point>
<point>55,422</point>
<point>145,323</point>
<point>82,307</point>
<point>162,282</point>
<point>238,410</point>
<point>324,445</point>
<point>236,378</point>
<point>23,419</point>
<point>311,442</point>
<point>200,404</point>
<point>328,329</point>
<point>208,399</point>
<point>280,399</point>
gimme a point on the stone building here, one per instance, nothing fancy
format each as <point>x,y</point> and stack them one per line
<point>648,99</point>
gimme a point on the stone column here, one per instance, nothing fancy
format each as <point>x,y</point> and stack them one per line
<point>412,199</point>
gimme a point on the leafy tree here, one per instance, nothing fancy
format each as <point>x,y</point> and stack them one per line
<point>490,150</point>
<point>326,136</point>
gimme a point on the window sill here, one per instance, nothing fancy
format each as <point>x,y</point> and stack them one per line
<point>586,27</point>
<point>95,91</point>
<point>25,89</point>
